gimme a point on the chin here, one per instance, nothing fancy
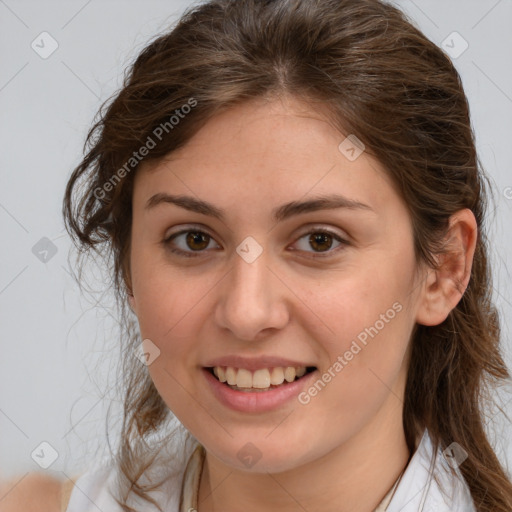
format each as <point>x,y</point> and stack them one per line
<point>262,455</point>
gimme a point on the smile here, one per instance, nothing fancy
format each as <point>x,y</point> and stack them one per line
<point>243,390</point>
<point>264,379</point>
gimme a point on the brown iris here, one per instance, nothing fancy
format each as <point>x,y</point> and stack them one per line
<point>196,237</point>
<point>320,241</point>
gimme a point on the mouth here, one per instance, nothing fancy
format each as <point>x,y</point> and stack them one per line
<point>261,380</point>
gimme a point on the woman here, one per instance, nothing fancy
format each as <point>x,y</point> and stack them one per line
<point>291,199</point>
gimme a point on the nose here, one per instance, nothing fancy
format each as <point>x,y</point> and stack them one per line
<point>252,300</point>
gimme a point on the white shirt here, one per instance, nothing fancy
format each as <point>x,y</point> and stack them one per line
<point>417,490</point>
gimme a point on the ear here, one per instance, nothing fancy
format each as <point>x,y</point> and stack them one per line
<point>128,284</point>
<point>442,289</point>
<point>131,301</point>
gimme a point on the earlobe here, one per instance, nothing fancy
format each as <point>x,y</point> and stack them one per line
<point>131,301</point>
<point>443,288</point>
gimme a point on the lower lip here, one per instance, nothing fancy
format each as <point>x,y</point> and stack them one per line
<point>256,401</point>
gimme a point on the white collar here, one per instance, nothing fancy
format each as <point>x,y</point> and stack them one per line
<point>418,490</point>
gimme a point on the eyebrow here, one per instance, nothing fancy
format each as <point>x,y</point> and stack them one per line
<point>279,214</point>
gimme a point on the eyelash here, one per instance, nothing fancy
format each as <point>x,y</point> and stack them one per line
<point>167,242</point>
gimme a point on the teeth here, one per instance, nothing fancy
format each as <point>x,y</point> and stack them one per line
<point>260,379</point>
<point>221,374</point>
<point>231,376</point>
<point>277,376</point>
<point>289,374</point>
<point>244,378</point>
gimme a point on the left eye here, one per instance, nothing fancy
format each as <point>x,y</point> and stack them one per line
<point>320,240</point>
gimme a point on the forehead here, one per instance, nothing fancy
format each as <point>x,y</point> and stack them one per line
<point>266,150</point>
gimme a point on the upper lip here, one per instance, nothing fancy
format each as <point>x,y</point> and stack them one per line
<point>255,363</point>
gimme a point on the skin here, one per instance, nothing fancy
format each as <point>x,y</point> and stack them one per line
<point>33,491</point>
<point>248,160</point>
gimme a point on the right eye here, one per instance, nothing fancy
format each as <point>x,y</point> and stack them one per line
<point>188,243</point>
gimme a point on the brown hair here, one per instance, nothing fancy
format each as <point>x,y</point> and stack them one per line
<point>379,78</point>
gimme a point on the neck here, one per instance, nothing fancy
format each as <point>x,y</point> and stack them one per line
<point>355,476</point>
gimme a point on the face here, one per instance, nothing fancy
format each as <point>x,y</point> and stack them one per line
<point>261,291</point>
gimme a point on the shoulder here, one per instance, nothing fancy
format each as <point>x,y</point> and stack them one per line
<point>34,491</point>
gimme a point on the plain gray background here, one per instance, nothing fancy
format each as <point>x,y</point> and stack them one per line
<point>58,346</point>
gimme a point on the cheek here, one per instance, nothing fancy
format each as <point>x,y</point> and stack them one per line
<point>361,306</point>
<point>370,320</point>
<point>169,314</point>
<point>360,377</point>
<point>367,353</point>
<point>168,298</point>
